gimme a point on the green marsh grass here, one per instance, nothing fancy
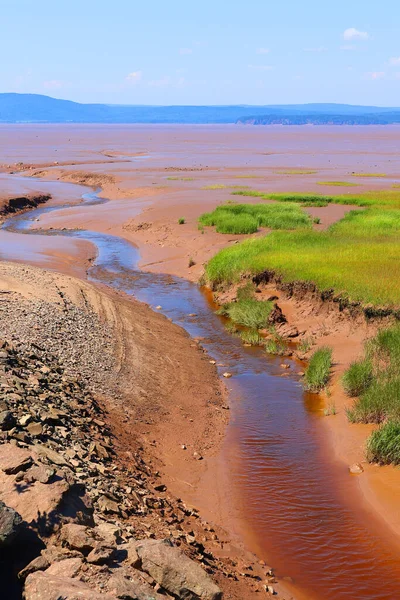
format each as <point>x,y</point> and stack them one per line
<point>369,174</point>
<point>317,373</point>
<point>376,380</point>
<point>247,218</point>
<point>358,377</point>
<point>275,345</point>
<point>180,178</point>
<point>296,172</point>
<point>337,183</point>
<point>248,312</point>
<point>181,221</point>
<point>383,445</point>
<point>251,336</point>
<point>359,256</point>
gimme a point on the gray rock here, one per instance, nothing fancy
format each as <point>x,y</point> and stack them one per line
<point>175,572</point>
<point>7,420</point>
<point>10,524</point>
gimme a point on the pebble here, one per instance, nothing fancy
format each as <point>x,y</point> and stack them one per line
<point>356,469</point>
<point>227,375</point>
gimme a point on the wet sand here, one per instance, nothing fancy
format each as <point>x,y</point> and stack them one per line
<point>146,206</point>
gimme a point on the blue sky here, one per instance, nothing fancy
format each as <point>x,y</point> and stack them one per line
<point>207,52</point>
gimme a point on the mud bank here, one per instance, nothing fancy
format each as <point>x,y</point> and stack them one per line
<point>156,389</point>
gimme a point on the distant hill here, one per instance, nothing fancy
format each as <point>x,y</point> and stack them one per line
<point>307,118</point>
<point>35,108</point>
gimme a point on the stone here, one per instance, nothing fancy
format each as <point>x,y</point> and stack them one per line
<point>10,524</point>
<point>356,469</point>
<point>175,572</point>
<point>40,563</point>
<point>40,473</point>
<point>227,375</point>
<point>51,455</point>
<point>50,587</point>
<point>106,505</point>
<point>108,532</point>
<point>122,585</point>
<point>68,567</point>
<point>77,537</point>
<point>101,554</point>
<point>34,429</point>
<point>14,459</point>
<point>132,556</point>
<point>7,420</point>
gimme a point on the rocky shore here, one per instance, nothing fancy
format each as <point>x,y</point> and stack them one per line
<point>85,511</point>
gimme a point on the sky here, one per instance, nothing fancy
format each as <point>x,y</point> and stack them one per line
<point>208,52</point>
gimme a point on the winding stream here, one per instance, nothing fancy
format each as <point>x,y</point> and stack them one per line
<point>294,495</point>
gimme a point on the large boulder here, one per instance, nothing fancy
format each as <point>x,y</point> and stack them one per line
<point>10,524</point>
<point>175,572</point>
<point>44,586</point>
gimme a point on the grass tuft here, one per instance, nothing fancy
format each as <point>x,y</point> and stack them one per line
<point>251,336</point>
<point>358,377</point>
<point>337,183</point>
<point>383,445</point>
<point>247,218</point>
<point>318,371</point>
<point>296,172</point>
<point>248,312</point>
<point>181,221</point>
<point>369,174</point>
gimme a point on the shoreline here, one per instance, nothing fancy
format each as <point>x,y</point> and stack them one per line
<point>157,258</point>
<point>347,448</point>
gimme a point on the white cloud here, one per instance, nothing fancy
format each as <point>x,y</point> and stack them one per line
<point>395,61</point>
<point>53,84</point>
<point>260,67</point>
<point>354,34</point>
<point>185,51</point>
<point>263,50</point>
<point>134,77</point>
<point>374,75</point>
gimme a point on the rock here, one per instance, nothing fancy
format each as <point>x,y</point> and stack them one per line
<point>175,572</point>
<point>10,524</point>
<point>276,315</point>
<point>7,420</point>
<point>108,532</point>
<point>133,558</point>
<point>14,459</point>
<point>40,473</point>
<point>227,375</point>
<point>40,563</point>
<point>100,555</point>
<point>106,505</point>
<point>35,429</point>
<point>124,586</point>
<point>45,586</point>
<point>69,567</point>
<point>51,455</point>
<point>356,469</point>
<point>270,590</point>
<point>77,537</point>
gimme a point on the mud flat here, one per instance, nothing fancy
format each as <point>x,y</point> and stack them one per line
<point>286,494</point>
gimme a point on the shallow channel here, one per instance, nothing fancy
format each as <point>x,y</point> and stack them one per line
<point>292,492</point>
